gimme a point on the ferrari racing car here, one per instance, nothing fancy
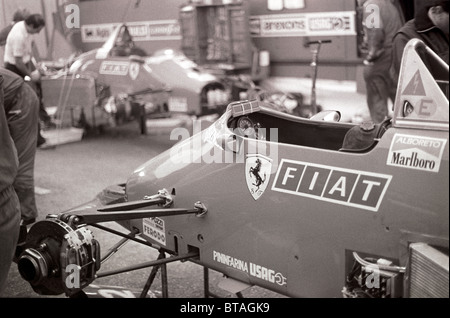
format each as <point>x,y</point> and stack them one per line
<point>302,207</point>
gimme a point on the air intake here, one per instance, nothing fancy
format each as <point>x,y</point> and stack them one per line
<point>427,272</point>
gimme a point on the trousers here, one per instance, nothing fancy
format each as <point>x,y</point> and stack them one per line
<point>23,126</point>
<point>9,231</point>
<point>380,88</point>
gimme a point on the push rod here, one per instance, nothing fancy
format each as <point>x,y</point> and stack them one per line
<point>157,262</point>
<point>99,217</point>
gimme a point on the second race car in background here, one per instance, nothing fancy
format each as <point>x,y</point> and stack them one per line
<point>118,82</point>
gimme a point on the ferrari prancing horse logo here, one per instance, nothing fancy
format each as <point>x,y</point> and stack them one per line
<point>257,173</point>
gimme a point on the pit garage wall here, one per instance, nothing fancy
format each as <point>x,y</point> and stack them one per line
<point>288,55</point>
<point>153,23</point>
<point>156,23</point>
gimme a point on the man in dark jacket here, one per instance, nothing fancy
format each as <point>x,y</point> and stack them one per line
<point>21,107</point>
<point>381,21</point>
<point>431,25</point>
<point>9,202</point>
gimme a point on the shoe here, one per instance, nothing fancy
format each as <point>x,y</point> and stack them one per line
<point>20,246</point>
<point>48,125</point>
<point>27,221</point>
<point>40,140</point>
<point>47,146</point>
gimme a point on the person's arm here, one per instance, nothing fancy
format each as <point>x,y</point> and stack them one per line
<point>18,46</point>
<point>398,46</point>
<point>374,32</point>
<point>4,34</point>
<point>18,62</point>
<point>375,41</point>
<point>34,75</point>
<point>9,161</point>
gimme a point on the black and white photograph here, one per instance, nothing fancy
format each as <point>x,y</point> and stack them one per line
<point>231,156</point>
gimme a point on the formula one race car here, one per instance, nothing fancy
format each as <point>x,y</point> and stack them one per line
<point>118,82</point>
<point>303,207</point>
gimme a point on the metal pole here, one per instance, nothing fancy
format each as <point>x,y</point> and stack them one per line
<point>44,13</point>
<point>152,276</point>
<point>206,281</point>
<point>118,246</point>
<point>164,283</point>
<point>129,215</point>
<point>148,264</point>
<point>132,238</point>
<point>314,63</point>
<point>3,9</point>
<point>207,293</point>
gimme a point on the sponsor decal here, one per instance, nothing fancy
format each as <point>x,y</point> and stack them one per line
<point>164,30</point>
<point>250,268</point>
<point>415,86</point>
<point>140,31</point>
<point>355,188</point>
<point>178,104</point>
<point>423,99</point>
<point>114,68</point>
<point>416,152</point>
<point>424,107</point>
<point>137,30</point>
<point>96,32</point>
<point>306,24</point>
<point>257,173</point>
<point>155,229</point>
<point>134,70</point>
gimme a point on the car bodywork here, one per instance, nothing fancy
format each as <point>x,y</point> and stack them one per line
<point>104,87</point>
<point>164,84</point>
<point>302,207</point>
<point>194,90</point>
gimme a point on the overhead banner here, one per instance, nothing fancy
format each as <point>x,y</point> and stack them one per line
<point>305,24</point>
<point>140,31</point>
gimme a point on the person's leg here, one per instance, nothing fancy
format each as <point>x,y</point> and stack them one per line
<point>40,140</point>
<point>45,121</point>
<point>23,130</point>
<point>42,112</point>
<point>43,115</point>
<point>376,94</point>
<point>9,231</point>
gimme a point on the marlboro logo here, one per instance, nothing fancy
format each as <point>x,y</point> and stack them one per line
<point>415,152</point>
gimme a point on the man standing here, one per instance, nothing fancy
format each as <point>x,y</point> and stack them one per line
<point>18,53</point>
<point>21,106</point>
<point>18,16</point>
<point>431,25</point>
<point>9,203</point>
<point>18,57</point>
<point>381,21</point>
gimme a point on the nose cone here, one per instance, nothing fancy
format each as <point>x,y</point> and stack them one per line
<point>167,169</point>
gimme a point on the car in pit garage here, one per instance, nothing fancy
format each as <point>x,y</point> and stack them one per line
<point>118,82</point>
